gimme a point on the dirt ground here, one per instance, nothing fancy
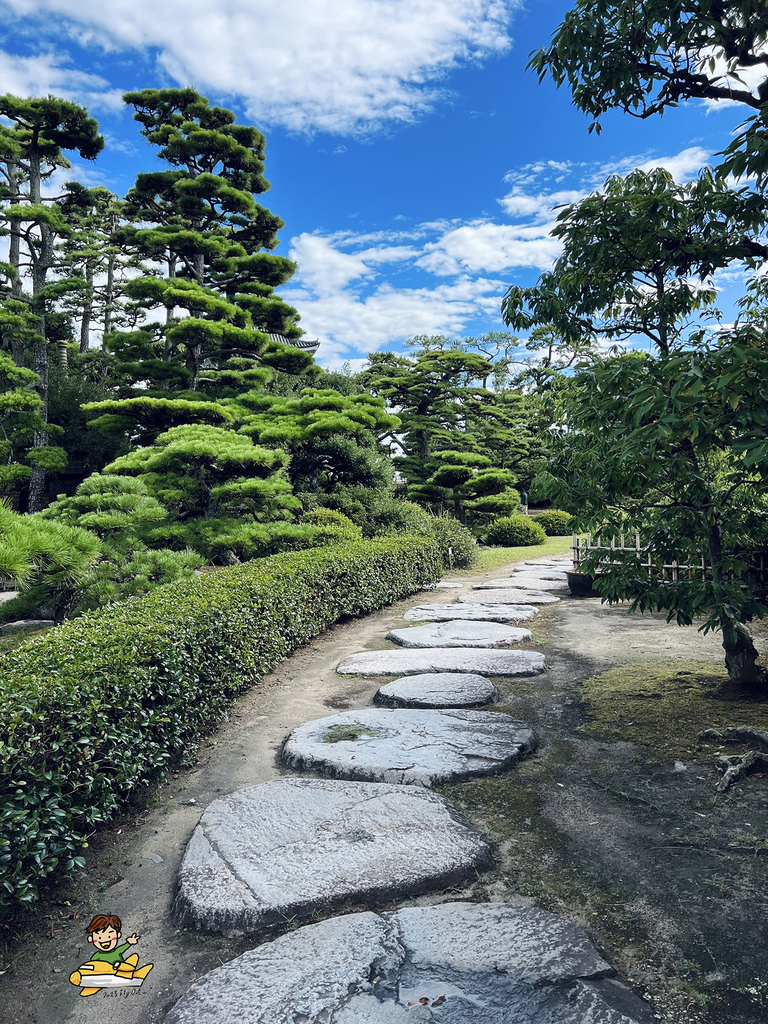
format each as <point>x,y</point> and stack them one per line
<point>615,826</point>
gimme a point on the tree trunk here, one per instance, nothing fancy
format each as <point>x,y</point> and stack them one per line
<point>109,297</point>
<point>41,263</point>
<point>740,653</point>
<point>85,323</point>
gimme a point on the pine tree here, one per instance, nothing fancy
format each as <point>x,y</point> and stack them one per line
<point>31,149</point>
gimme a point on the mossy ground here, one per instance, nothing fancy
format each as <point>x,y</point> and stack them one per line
<point>665,706</point>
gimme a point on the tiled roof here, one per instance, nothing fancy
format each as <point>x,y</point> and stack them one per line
<point>303,343</point>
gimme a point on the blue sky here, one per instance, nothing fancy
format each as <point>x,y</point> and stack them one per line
<point>414,160</point>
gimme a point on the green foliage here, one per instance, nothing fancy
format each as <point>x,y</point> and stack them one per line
<point>103,705</point>
<point>514,532</point>
<point>50,561</point>
<point>449,533</point>
<point>554,522</point>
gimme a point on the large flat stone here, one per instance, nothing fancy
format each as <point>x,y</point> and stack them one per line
<point>453,659</point>
<point>511,596</point>
<point>543,572</point>
<point>437,690</point>
<point>290,847</point>
<point>459,633</point>
<point>526,582</point>
<point>459,963</point>
<point>471,613</point>
<point>420,748</point>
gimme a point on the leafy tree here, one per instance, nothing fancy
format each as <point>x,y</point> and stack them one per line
<point>646,56</point>
<point>19,412</point>
<point>670,443</point>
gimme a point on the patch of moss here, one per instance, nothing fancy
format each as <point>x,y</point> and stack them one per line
<point>665,706</point>
<point>340,733</point>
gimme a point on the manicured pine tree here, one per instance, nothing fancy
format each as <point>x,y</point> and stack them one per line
<point>33,139</point>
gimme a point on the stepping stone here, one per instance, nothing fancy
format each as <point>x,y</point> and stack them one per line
<point>421,748</point>
<point>457,633</point>
<point>463,963</point>
<point>471,613</point>
<point>524,582</point>
<point>445,586</point>
<point>543,574</point>
<point>511,596</point>
<point>288,848</point>
<point>452,659</point>
<point>437,690</point>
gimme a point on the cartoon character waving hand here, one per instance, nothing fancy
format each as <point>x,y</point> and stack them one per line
<point>109,967</point>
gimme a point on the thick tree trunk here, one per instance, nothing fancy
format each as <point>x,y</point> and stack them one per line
<point>740,653</point>
<point>109,297</point>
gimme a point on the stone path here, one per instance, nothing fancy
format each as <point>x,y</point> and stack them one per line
<point>437,690</point>
<point>288,848</point>
<point>452,659</point>
<point>408,746</point>
<point>486,963</point>
<point>459,633</point>
<point>471,613</point>
<point>292,847</point>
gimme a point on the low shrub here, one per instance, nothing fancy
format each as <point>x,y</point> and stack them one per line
<point>449,533</point>
<point>102,705</point>
<point>515,532</point>
<point>554,522</point>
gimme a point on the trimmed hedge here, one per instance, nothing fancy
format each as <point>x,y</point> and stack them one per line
<point>449,533</point>
<point>104,704</point>
<point>515,532</point>
<point>554,522</point>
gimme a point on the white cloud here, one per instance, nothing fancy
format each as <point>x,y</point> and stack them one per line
<point>489,247</point>
<point>48,73</point>
<point>520,204</point>
<point>682,166</point>
<point>349,323</point>
<point>728,74</point>
<point>306,64</point>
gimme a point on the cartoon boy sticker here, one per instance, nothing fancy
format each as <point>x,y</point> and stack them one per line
<point>109,967</point>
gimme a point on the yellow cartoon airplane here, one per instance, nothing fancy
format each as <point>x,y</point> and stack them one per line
<point>109,967</point>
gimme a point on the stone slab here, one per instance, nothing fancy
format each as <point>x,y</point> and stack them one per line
<point>421,748</point>
<point>445,586</point>
<point>525,582</point>
<point>285,849</point>
<point>459,963</point>
<point>452,659</point>
<point>471,613</point>
<point>541,572</point>
<point>437,690</point>
<point>511,596</point>
<point>460,633</point>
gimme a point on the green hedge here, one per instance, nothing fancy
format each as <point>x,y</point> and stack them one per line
<point>104,704</point>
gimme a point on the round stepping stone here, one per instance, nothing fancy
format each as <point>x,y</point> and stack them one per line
<point>437,690</point>
<point>421,748</point>
<point>458,633</point>
<point>464,963</point>
<point>525,582</point>
<point>511,596</point>
<point>452,659</point>
<point>471,613</point>
<point>291,847</point>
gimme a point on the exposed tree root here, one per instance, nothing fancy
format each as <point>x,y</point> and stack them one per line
<point>736,766</point>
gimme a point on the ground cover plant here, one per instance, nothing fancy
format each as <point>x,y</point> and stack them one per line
<point>494,558</point>
<point>97,708</point>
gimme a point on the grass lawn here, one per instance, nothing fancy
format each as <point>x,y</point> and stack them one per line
<point>492,558</point>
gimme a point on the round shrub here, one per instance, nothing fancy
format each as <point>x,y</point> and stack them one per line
<point>330,517</point>
<point>514,532</point>
<point>554,522</point>
<point>449,533</point>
